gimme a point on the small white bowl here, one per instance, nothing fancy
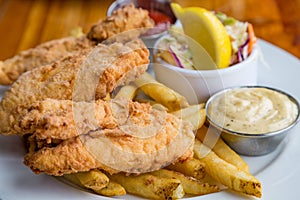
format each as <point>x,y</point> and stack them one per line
<point>198,85</point>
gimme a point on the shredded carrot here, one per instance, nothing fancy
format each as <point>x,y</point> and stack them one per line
<point>252,38</point>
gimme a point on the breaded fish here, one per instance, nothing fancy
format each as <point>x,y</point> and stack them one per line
<point>63,119</point>
<point>121,20</point>
<point>86,76</point>
<point>133,137</point>
<point>43,54</point>
<point>128,18</point>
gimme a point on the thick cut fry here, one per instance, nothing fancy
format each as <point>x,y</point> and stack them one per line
<point>191,167</point>
<point>226,173</point>
<point>188,111</point>
<point>112,189</point>
<point>92,179</point>
<point>198,119</point>
<point>195,114</point>
<point>159,107</point>
<point>210,137</point>
<point>190,185</point>
<point>73,179</point>
<point>126,92</point>
<point>150,186</point>
<point>161,93</point>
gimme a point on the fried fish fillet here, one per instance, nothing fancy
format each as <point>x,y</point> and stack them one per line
<point>133,137</point>
<point>123,19</point>
<point>43,54</point>
<point>85,76</point>
<point>52,119</point>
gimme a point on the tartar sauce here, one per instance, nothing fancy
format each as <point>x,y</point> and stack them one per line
<point>253,110</point>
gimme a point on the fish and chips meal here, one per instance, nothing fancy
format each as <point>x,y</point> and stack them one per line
<point>89,112</point>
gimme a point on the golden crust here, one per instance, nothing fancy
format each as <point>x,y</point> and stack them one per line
<point>70,156</point>
<point>53,107</point>
<point>133,137</point>
<point>128,18</point>
<point>43,54</point>
<point>64,79</point>
<point>122,20</point>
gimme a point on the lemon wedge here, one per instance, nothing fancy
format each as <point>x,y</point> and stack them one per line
<point>207,36</point>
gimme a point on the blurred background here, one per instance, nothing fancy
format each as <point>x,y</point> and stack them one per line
<point>27,23</point>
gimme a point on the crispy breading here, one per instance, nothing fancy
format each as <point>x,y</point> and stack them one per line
<point>63,119</point>
<point>43,54</point>
<point>70,156</point>
<point>129,18</point>
<point>81,77</point>
<point>136,139</point>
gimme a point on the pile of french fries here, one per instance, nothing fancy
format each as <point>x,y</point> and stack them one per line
<point>214,167</point>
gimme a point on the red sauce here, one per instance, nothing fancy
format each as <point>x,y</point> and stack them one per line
<point>162,22</point>
<point>159,17</point>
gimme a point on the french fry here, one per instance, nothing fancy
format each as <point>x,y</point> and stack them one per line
<point>190,185</point>
<point>160,107</point>
<point>161,93</point>
<point>195,114</point>
<point>126,92</point>
<point>112,189</point>
<point>226,173</point>
<point>188,111</point>
<point>191,167</point>
<point>197,119</point>
<point>150,186</point>
<point>73,179</point>
<point>189,177</point>
<point>211,139</point>
<point>153,104</point>
<point>92,179</point>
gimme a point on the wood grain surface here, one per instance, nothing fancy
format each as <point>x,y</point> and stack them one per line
<point>27,23</point>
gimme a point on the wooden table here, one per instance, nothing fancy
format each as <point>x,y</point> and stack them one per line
<point>26,23</point>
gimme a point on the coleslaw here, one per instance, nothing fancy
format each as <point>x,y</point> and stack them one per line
<point>174,49</point>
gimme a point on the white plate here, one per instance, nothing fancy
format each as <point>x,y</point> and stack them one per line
<point>279,172</point>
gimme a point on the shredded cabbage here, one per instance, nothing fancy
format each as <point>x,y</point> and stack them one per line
<point>174,48</point>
